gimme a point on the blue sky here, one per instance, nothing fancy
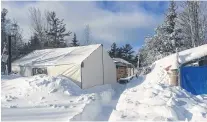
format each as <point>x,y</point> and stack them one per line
<point>120,22</point>
<point>154,7</point>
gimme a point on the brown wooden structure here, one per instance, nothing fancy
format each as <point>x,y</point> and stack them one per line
<point>123,68</point>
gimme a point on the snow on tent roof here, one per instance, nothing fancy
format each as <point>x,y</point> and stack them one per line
<point>57,56</point>
<point>120,60</point>
<point>185,56</point>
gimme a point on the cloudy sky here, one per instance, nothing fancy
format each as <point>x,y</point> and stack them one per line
<point>120,22</point>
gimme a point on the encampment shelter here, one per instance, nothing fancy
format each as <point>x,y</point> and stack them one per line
<point>124,68</point>
<point>193,70</point>
<point>87,66</point>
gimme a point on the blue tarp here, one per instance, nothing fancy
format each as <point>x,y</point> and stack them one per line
<point>194,79</point>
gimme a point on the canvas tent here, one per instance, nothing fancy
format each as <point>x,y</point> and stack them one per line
<point>87,66</point>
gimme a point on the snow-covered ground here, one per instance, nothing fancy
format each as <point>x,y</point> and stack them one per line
<point>49,98</point>
<point>144,98</point>
<point>156,101</point>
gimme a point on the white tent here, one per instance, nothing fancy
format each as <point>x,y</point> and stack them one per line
<point>87,66</point>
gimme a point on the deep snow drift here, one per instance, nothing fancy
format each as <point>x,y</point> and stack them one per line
<point>150,102</point>
<point>48,98</point>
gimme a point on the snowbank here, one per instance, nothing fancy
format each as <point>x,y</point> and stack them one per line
<point>52,98</point>
<point>155,101</point>
<point>151,99</point>
<point>25,86</point>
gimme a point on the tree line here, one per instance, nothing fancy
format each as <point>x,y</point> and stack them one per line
<point>125,52</point>
<point>48,31</point>
<point>180,30</point>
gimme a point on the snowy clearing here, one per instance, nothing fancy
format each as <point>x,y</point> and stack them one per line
<point>46,98</point>
<point>147,97</point>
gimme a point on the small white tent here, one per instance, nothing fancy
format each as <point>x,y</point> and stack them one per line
<point>87,66</point>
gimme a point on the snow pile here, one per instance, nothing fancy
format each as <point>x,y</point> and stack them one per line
<point>25,86</point>
<point>52,98</point>
<point>54,84</point>
<point>160,102</point>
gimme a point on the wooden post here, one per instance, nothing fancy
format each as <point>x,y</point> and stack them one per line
<point>10,55</point>
<point>174,71</point>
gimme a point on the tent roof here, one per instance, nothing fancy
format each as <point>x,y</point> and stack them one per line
<point>57,56</point>
<point>120,60</point>
<point>193,53</point>
<point>185,56</point>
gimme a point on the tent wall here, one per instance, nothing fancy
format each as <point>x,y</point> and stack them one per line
<point>109,68</point>
<point>22,70</point>
<point>92,70</point>
<point>71,71</point>
<point>25,71</point>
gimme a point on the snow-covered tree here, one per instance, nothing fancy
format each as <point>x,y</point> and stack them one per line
<point>193,22</point>
<point>165,41</point>
<point>4,24</point>
<point>165,34</point>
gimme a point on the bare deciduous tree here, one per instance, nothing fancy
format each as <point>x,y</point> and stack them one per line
<point>37,22</point>
<point>193,22</point>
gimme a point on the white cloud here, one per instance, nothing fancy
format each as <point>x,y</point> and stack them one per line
<point>106,26</point>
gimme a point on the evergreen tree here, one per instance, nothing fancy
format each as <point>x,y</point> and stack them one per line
<point>165,33</point>
<point>114,50</point>
<point>27,48</point>
<point>170,18</point>
<point>74,41</point>
<point>57,31</point>
<point>128,53</point>
<point>119,52</point>
<point>35,42</point>
<point>124,52</point>
<point>166,37</point>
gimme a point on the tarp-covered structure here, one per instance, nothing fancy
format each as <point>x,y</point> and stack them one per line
<point>184,56</point>
<point>194,79</point>
<point>87,66</point>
